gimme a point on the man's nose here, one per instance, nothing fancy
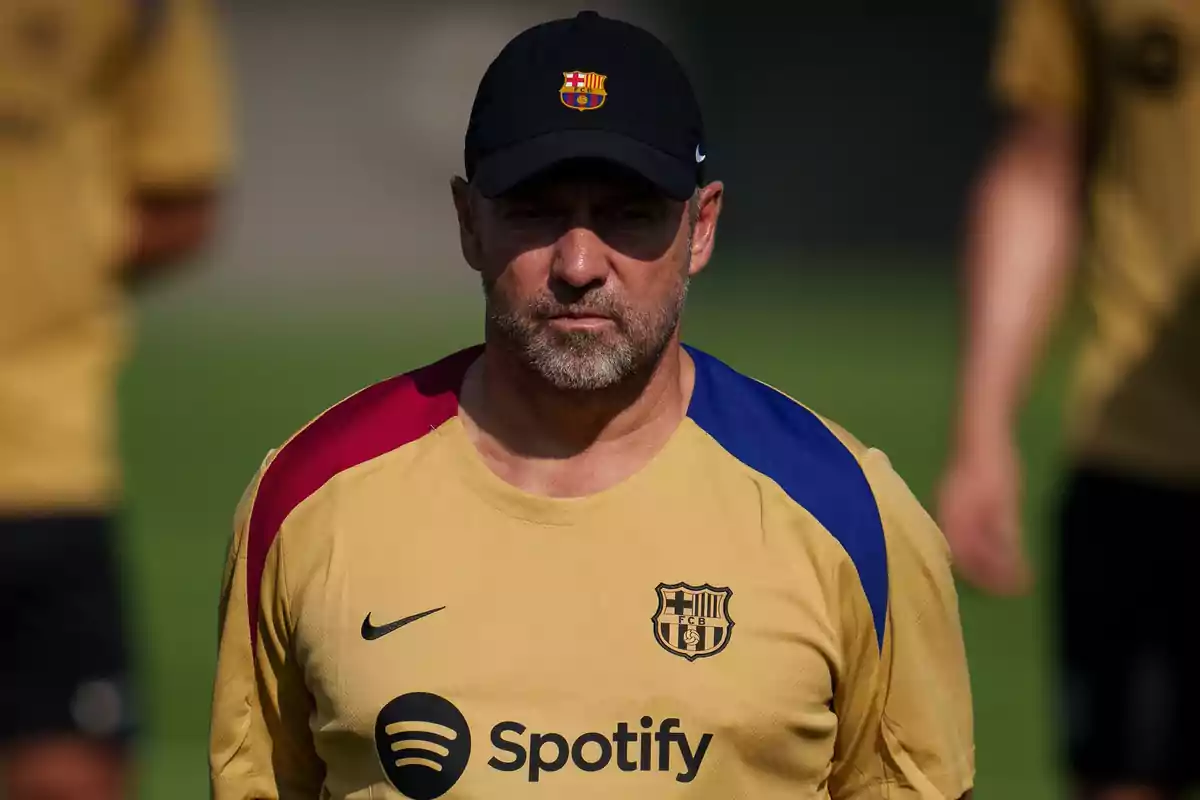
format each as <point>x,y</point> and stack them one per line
<point>580,259</point>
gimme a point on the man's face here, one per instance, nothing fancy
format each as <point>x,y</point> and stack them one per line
<point>585,270</point>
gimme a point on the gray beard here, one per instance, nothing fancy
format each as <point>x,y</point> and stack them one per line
<point>583,361</point>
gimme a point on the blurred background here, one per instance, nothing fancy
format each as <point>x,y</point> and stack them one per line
<point>846,133</point>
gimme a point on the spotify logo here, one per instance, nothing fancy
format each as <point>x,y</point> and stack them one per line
<point>423,743</point>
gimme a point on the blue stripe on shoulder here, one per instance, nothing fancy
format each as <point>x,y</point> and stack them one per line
<point>779,438</point>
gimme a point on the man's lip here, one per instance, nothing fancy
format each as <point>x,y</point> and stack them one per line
<point>578,315</point>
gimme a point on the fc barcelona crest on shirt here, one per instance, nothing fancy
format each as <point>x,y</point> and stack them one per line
<point>583,91</point>
<point>693,621</point>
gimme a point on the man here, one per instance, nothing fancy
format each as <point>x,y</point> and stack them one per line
<point>1105,96</point>
<point>583,560</point>
<point>112,144</point>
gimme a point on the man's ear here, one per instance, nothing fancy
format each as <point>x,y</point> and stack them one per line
<point>468,235</point>
<point>709,201</point>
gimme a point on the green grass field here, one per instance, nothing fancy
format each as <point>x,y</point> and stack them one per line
<point>209,390</point>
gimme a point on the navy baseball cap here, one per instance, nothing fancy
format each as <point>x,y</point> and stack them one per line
<point>586,87</point>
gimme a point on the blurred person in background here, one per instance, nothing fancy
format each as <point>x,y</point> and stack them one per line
<point>1103,151</point>
<point>113,142</point>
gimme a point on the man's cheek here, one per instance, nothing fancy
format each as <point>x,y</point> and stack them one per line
<point>503,293</point>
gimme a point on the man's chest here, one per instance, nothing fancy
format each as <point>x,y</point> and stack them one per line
<point>519,657</point>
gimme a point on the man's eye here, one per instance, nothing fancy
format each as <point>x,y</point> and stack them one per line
<point>636,215</point>
<point>529,213</point>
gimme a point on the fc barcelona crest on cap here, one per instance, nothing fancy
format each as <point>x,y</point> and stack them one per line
<point>583,91</point>
<point>693,621</point>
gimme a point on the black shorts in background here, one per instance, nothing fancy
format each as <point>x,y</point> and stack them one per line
<point>1129,581</point>
<point>63,661</point>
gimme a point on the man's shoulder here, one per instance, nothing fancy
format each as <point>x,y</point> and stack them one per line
<point>744,411</point>
<point>370,423</point>
<point>816,462</point>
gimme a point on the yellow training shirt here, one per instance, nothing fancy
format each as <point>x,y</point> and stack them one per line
<point>763,611</point>
<point>99,100</point>
<point>1129,69</point>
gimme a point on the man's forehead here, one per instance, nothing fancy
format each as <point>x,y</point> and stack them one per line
<point>590,178</point>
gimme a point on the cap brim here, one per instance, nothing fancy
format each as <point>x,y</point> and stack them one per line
<point>504,169</point>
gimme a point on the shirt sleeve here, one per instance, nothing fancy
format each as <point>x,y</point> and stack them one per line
<point>1039,58</point>
<point>174,103</point>
<point>260,744</point>
<point>904,715</point>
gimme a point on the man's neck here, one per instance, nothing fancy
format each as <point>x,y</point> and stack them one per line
<point>554,442</point>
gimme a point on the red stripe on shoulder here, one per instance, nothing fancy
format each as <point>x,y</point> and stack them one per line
<point>375,421</point>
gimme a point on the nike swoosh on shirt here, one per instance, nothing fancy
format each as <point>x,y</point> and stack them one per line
<point>372,632</point>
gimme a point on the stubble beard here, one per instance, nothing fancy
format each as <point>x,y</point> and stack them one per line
<point>586,361</point>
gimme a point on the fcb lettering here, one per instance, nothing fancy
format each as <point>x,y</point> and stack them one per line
<point>693,621</point>
<point>583,91</point>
